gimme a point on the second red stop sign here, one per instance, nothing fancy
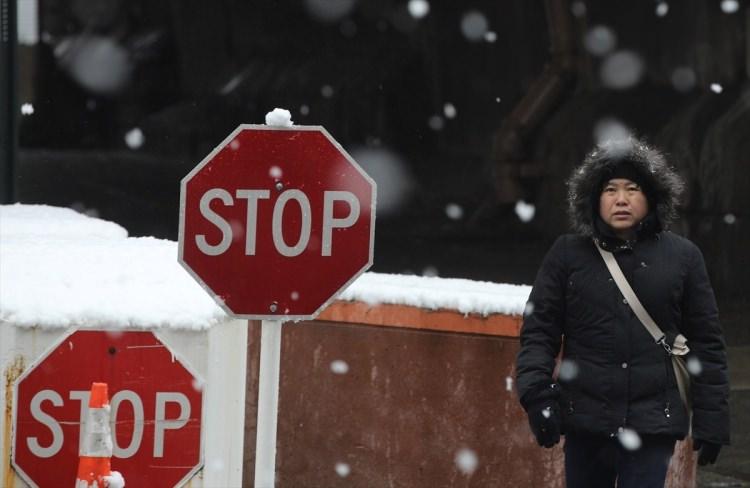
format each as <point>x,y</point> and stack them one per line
<point>276,221</point>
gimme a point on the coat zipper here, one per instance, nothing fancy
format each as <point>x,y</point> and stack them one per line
<point>667,387</point>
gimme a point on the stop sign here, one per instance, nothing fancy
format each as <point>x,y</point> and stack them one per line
<point>155,410</point>
<point>275,221</point>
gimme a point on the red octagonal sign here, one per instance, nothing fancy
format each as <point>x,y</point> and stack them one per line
<point>276,221</point>
<point>155,410</point>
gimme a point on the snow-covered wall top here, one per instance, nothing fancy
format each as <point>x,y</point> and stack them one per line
<point>59,268</point>
<point>432,293</point>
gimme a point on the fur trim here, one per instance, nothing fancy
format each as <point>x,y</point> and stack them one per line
<point>665,184</point>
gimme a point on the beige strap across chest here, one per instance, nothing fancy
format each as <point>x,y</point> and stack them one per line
<point>629,294</point>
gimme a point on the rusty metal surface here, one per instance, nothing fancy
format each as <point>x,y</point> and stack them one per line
<point>12,371</point>
<point>406,316</point>
<point>409,403</point>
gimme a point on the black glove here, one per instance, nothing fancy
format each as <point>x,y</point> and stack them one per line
<point>707,451</point>
<point>544,417</point>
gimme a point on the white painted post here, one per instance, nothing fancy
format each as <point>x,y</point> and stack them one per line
<point>224,400</point>
<point>268,403</point>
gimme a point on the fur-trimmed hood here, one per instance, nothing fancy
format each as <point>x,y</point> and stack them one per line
<point>665,185</point>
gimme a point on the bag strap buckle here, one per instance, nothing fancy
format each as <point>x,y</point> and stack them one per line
<point>663,343</point>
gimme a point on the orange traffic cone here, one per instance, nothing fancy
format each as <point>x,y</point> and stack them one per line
<point>96,449</point>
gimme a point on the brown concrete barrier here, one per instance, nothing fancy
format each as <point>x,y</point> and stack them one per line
<point>415,398</point>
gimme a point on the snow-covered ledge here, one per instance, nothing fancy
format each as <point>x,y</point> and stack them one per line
<point>431,303</point>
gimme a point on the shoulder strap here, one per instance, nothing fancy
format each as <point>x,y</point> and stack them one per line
<point>630,296</point>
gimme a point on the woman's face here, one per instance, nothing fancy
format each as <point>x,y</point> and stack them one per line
<point>622,205</point>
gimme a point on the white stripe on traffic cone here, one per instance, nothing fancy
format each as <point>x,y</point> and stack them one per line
<point>94,470</point>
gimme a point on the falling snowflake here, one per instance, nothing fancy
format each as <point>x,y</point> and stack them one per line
<point>730,6</point>
<point>418,8</point>
<point>466,460</point>
<point>568,370</point>
<point>694,366</point>
<point>27,109</point>
<point>474,25</point>
<point>622,70</point>
<point>449,110</point>
<point>454,211</point>
<point>389,170</point>
<point>600,40</point>
<point>216,464</point>
<point>134,138</point>
<point>342,469</point>
<point>629,439</point>
<point>339,367</point>
<point>436,123</point>
<point>525,211</point>
<point>610,132</point>
<point>716,88</point>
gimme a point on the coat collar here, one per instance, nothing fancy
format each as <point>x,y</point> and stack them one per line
<point>604,235</point>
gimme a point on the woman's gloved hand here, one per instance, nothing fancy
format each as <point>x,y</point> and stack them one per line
<point>544,416</point>
<point>707,451</point>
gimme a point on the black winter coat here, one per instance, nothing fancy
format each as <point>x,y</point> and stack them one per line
<point>615,375</point>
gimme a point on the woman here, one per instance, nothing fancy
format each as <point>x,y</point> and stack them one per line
<point>616,399</point>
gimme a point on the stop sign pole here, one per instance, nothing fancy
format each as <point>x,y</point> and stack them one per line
<point>268,404</point>
<point>274,223</point>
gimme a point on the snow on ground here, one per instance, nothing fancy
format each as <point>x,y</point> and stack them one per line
<point>59,268</point>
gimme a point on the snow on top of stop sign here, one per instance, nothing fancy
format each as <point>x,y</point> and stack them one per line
<point>279,117</point>
<point>60,268</point>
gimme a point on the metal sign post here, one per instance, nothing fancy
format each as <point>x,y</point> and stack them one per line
<point>268,403</point>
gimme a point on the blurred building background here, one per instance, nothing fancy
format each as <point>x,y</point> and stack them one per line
<point>469,115</point>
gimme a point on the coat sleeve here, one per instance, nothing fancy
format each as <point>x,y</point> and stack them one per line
<point>541,333</point>
<point>701,327</point>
